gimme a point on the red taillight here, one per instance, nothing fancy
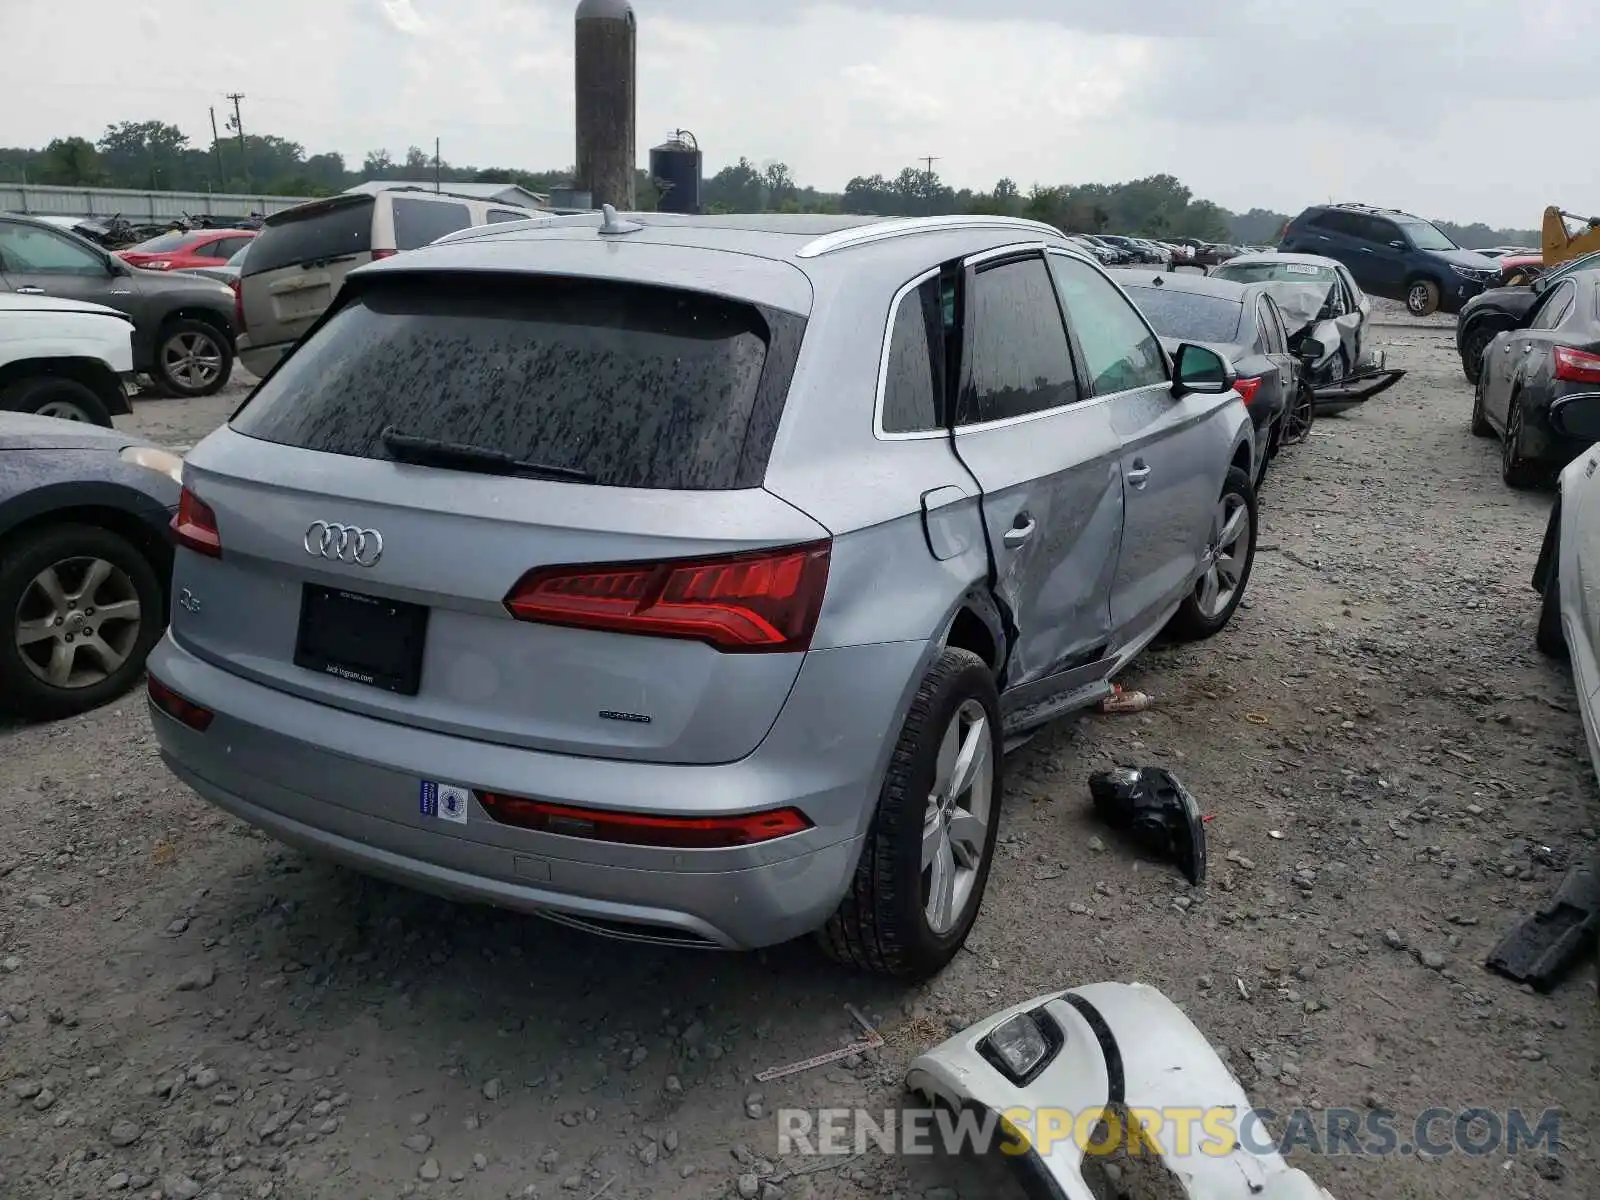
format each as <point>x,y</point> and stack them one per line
<point>238,306</point>
<point>179,708</point>
<point>195,526</point>
<point>1247,388</point>
<point>377,254</point>
<point>766,600</point>
<point>639,829</point>
<point>1577,366</point>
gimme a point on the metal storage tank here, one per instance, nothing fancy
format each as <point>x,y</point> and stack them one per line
<point>606,69</point>
<point>675,167</point>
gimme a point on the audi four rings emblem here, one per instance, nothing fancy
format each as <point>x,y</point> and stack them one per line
<point>344,543</point>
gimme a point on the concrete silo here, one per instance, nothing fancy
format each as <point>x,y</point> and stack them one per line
<point>607,66</point>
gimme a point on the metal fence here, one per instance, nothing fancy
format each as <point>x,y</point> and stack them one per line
<point>135,206</point>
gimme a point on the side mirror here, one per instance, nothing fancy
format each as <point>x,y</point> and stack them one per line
<point>1577,417</point>
<point>1200,371</point>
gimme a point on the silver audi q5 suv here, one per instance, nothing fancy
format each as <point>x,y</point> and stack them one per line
<point>684,578</point>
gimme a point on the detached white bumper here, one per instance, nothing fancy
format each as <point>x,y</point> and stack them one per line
<point>1119,1044</point>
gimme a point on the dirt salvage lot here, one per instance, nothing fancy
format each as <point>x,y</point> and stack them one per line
<point>187,1009</point>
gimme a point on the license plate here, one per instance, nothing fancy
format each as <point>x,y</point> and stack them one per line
<point>365,639</point>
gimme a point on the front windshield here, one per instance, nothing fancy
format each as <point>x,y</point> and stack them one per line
<point>1425,237</point>
<point>1273,272</point>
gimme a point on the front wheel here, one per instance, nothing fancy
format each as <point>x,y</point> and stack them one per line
<point>81,608</point>
<point>923,869</point>
<point>56,396</point>
<point>1225,566</point>
<point>1422,297</point>
<point>192,359</point>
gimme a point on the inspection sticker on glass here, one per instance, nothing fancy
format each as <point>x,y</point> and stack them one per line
<point>1303,268</point>
<point>444,801</point>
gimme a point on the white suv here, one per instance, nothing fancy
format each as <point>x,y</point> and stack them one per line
<point>64,358</point>
<point>296,264</point>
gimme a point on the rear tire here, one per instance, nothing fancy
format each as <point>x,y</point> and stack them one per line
<point>53,396</point>
<point>123,612</point>
<point>1517,471</point>
<point>1422,297</point>
<point>1231,552</point>
<point>883,923</point>
<point>1473,346</point>
<point>1480,423</point>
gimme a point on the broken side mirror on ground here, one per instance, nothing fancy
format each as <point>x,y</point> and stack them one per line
<point>1067,1079</point>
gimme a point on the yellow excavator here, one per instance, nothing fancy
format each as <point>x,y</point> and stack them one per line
<point>1561,244</point>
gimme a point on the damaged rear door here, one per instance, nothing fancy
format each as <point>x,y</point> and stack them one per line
<point>1045,455</point>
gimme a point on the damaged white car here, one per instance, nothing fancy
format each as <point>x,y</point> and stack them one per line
<point>1070,1074</point>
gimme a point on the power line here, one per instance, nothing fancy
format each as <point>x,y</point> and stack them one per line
<point>238,124</point>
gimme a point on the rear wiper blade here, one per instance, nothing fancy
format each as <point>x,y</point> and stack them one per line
<point>433,452</point>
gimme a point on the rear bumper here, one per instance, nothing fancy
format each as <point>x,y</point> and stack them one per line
<point>258,360</point>
<point>346,786</point>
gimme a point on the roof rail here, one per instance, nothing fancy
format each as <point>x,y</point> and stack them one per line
<point>893,227</point>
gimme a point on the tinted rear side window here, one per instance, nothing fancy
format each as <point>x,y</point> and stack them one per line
<point>418,222</point>
<point>318,231</point>
<point>497,215</point>
<point>913,383</point>
<point>639,387</point>
<point>1190,316</point>
<point>1020,360</point>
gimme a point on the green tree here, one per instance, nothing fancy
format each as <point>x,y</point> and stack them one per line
<point>71,162</point>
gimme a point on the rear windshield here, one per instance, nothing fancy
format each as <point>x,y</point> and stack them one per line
<point>634,386</point>
<point>1270,272</point>
<point>1189,315</point>
<point>314,232</point>
<point>176,240</point>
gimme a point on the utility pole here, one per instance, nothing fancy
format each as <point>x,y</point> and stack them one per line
<point>216,148</point>
<point>238,124</point>
<point>930,159</point>
<point>436,165</point>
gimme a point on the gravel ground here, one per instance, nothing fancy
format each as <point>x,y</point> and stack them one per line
<point>187,1009</point>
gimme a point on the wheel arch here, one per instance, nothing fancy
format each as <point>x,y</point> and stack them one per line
<point>100,507</point>
<point>976,624</point>
<point>198,312</point>
<point>90,372</point>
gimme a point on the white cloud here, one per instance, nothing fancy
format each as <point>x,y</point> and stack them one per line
<point>1427,106</point>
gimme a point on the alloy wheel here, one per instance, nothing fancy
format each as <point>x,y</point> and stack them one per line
<point>193,360</point>
<point>62,410</point>
<point>955,825</point>
<point>1297,421</point>
<point>77,622</point>
<point>1509,458</point>
<point>1226,556</point>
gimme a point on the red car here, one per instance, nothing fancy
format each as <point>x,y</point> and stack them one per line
<point>184,251</point>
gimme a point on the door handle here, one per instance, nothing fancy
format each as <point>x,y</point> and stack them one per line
<point>1138,473</point>
<point>28,289</point>
<point>1021,530</point>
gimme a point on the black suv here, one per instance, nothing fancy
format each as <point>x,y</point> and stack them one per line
<point>1392,254</point>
